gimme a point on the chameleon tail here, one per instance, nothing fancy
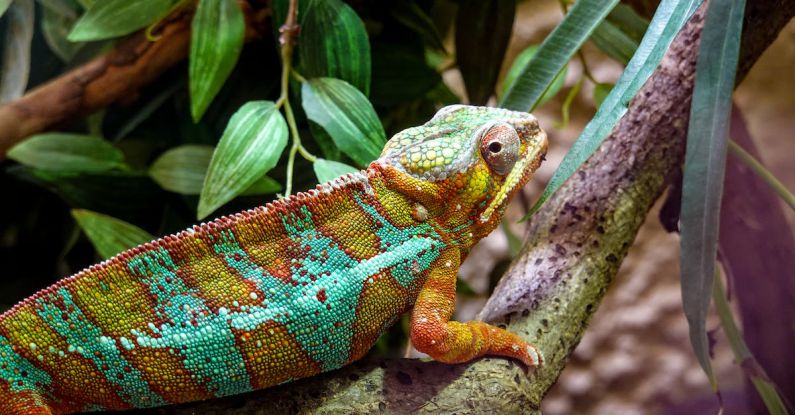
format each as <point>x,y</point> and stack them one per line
<point>18,393</point>
<point>22,402</point>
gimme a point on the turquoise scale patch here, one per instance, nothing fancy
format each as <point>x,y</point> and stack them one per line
<point>209,346</point>
<point>340,277</point>
<point>12,365</point>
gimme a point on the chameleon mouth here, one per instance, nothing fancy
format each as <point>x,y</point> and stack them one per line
<point>519,174</point>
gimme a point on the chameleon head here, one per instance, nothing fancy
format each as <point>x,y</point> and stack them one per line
<point>464,164</point>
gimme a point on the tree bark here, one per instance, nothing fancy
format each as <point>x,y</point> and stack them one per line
<point>572,252</point>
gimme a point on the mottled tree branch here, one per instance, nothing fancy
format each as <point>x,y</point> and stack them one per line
<point>107,79</point>
<point>571,254</point>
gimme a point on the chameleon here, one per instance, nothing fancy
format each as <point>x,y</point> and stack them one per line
<point>302,285</point>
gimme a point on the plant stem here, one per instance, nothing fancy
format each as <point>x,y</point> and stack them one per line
<point>287,40</point>
<point>763,173</point>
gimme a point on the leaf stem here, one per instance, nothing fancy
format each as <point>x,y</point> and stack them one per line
<point>287,39</point>
<point>766,389</point>
<point>763,173</point>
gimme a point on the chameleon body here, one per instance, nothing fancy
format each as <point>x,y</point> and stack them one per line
<point>297,287</point>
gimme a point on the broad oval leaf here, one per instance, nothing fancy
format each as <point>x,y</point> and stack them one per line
<point>16,50</point>
<point>108,234</point>
<point>326,170</point>
<point>217,34</point>
<point>346,115</point>
<point>111,18</point>
<point>516,69</point>
<point>250,146</point>
<point>67,153</point>
<point>484,28</point>
<point>671,15</point>
<point>555,52</point>
<point>705,162</point>
<point>333,43</point>
<point>182,170</point>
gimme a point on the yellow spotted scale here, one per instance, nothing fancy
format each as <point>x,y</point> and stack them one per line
<point>284,291</point>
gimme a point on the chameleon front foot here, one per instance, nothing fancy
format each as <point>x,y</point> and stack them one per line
<point>453,342</point>
<point>456,342</point>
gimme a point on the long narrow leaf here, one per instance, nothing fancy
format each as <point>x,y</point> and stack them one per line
<point>16,51</point>
<point>705,162</point>
<point>484,28</point>
<point>251,145</point>
<point>217,35</point>
<point>671,15</point>
<point>555,52</point>
<point>108,234</point>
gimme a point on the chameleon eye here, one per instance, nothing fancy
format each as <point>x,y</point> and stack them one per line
<point>499,146</point>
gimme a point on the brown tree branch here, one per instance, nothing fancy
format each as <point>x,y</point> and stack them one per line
<point>573,250</point>
<point>110,78</point>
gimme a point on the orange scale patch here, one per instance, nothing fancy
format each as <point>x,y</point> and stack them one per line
<point>273,356</point>
<point>72,375</point>
<point>352,229</point>
<point>380,302</point>
<point>166,374</point>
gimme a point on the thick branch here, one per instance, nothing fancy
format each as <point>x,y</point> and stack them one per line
<point>573,251</point>
<point>112,77</point>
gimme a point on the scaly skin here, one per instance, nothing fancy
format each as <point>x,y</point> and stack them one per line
<point>300,286</point>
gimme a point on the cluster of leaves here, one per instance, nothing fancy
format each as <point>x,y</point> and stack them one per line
<point>216,136</point>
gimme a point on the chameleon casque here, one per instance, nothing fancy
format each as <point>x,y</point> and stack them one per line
<point>300,286</point>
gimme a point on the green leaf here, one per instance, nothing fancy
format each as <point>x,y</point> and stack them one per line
<point>16,50</point>
<point>519,64</point>
<point>263,186</point>
<point>326,170</point>
<point>346,115</point>
<point>217,34</point>
<point>600,92</point>
<point>411,15</point>
<point>55,27</point>
<point>705,162</point>
<point>631,23</point>
<point>112,18</point>
<point>183,169</point>
<point>555,52</point>
<point>108,234</point>
<point>250,146</point>
<point>483,30</point>
<point>671,15</point>
<point>4,6</point>
<point>614,42</point>
<point>333,43</point>
<point>67,153</point>
<point>400,74</point>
